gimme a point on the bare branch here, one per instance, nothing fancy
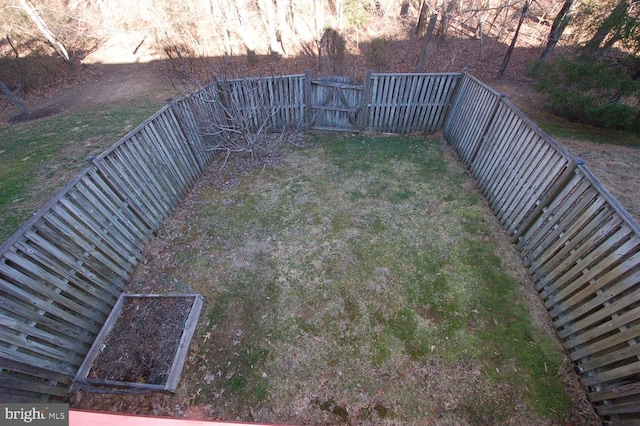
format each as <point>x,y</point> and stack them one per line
<point>242,116</point>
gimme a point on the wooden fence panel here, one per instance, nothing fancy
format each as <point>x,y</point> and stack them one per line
<point>272,103</point>
<point>584,255</point>
<point>61,273</point>
<point>154,165</point>
<point>516,166</point>
<point>59,277</point>
<point>470,115</point>
<point>195,114</point>
<point>335,103</point>
<point>580,246</point>
<point>403,103</point>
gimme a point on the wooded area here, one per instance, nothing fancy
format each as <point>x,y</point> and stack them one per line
<point>71,30</point>
<point>43,40</point>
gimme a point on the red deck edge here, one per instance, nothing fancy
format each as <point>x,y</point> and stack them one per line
<point>95,418</point>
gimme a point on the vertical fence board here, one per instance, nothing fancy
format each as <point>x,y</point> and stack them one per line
<point>403,103</point>
<point>470,115</point>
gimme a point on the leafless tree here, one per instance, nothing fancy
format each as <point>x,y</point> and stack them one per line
<point>507,56</point>
<point>5,90</point>
<point>42,26</point>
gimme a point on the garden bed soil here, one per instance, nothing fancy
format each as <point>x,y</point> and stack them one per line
<point>142,343</point>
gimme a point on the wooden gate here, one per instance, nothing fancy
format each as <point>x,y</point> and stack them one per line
<point>336,104</point>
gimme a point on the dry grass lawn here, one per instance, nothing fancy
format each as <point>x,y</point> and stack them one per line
<point>364,281</point>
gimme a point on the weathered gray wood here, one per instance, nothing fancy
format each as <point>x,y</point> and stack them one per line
<point>40,278</point>
<point>402,103</point>
<point>25,330</point>
<point>471,114</point>
<point>26,289</point>
<point>584,234</point>
<point>38,371</point>
<point>616,410</point>
<point>51,347</point>
<point>308,114</point>
<point>615,391</point>
<point>335,103</point>
<point>183,347</point>
<point>19,309</point>
<point>20,383</point>
<point>83,370</point>
<point>581,247</point>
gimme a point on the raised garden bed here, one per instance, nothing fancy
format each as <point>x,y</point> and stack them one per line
<point>143,344</point>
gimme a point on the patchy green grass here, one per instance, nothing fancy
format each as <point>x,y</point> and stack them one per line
<point>38,158</point>
<point>364,281</point>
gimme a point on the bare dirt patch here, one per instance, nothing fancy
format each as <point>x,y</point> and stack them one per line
<point>617,167</point>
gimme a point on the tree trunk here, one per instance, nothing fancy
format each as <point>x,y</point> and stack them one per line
<point>507,57</point>
<point>247,33</point>
<point>480,35</point>
<point>33,14</point>
<point>4,89</point>
<point>614,21</point>
<point>268,17</point>
<point>421,28</point>
<point>404,9</point>
<point>447,13</point>
<point>427,40</point>
<point>557,28</point>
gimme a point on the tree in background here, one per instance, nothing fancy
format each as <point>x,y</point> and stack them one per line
<point>44,29</point>
<point>507,56</point>
<point>560,23</point>
<point>597,82</point>
<point>620,25</point>
<point>5,91</point>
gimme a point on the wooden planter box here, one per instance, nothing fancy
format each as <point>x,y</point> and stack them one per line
<point>143,344</point>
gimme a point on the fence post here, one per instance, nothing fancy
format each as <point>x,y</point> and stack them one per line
<point>363,117</point>
<point>454,98</point>
<point>307,100</point>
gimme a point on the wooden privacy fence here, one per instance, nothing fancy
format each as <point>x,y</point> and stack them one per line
<point>62,272</point>
<point>399,103</point>
<point>580,246</point>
